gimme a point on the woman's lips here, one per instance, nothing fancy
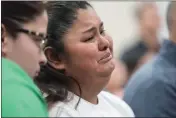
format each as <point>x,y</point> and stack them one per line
<point>107,57</point>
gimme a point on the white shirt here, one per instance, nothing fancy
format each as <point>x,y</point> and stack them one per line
<point>108,106</point>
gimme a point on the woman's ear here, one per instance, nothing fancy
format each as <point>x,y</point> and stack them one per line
<point>3,40</point>
<point>3,31</point>
<point>54,59</point>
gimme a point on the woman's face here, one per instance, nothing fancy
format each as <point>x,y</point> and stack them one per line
<point>26,50</point>
<point>89,54</point>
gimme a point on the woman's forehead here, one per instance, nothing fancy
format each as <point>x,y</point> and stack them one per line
<point>86,18</point>
<point>39,24</point>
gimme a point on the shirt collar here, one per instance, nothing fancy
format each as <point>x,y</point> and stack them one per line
<point>168,51</point>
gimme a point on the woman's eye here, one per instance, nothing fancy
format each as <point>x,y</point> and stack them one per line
<point>38,41</point>
<point>89,39</point>
<point>102,32</point>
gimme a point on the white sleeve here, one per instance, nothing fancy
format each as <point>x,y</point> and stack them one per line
<point>119,104</point>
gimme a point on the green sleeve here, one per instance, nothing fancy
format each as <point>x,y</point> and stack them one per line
<point>20,101</point>
<point>20,96</point>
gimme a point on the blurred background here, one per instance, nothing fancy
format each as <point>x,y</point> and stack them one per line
<point>120,22</point>
<point>137,29</point>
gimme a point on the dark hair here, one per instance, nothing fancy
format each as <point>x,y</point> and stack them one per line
<point>62,15</point>
<point>15,13</point>
<point>170,13</point>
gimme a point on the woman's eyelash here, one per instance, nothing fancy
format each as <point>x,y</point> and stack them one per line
<point>92,37</point>
<point>102,31</point>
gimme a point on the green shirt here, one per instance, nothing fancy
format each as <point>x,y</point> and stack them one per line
<point>20,95</point>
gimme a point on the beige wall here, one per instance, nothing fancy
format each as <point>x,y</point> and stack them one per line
<point>118,17</point>
<point>119,21</point>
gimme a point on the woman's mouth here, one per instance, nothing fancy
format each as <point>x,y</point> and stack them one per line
<point>37,73</point>
<point>107,57</point>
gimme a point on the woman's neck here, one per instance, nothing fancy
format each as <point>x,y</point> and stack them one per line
<point>89,91</point>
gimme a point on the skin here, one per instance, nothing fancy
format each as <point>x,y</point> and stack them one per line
<point>149,25</point>
<point>83,58</point>
<point>172,32</point>
<point>25,50</point>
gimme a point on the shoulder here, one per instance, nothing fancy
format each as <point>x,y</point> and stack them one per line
<point>13,72</point>
<point>61,109</point>
<point>20,100</point>
<point>14,79</point>
<point>18,91</point>
<point>158,96</point>
<point>154,80</point>
<point>65,108</point>
<point>117,103</point>
<point>153,71</point>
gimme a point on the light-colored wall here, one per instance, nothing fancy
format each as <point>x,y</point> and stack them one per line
<point>162,6</point>
<point>118,20</point>
<point>120,23</point>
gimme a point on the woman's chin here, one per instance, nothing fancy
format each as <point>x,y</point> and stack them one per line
<point>107,69</point>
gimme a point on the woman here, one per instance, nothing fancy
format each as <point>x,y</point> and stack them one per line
<point>23,31</point>
<point>80,63</point>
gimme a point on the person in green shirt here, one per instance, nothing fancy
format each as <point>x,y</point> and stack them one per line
<point>23,32</point>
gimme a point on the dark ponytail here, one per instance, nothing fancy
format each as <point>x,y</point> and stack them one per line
<point>55,85</point>
<point>51,81</point>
